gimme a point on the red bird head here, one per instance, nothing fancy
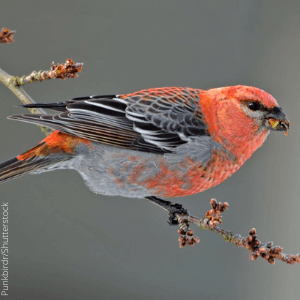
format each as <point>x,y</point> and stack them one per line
<point>240,117</point>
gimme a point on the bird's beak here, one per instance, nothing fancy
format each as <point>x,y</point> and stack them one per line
<point>277,120</point>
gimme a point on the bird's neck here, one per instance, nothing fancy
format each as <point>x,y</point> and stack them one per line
<point>243,148</point>
<point>237,133</point>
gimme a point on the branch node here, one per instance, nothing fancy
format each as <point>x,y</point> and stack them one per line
<point>213,216</point>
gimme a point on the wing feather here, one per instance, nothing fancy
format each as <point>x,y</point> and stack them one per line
<point>154,120</point>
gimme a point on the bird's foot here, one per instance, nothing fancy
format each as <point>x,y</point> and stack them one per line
<point>174,210</point>
<point>178,215</point>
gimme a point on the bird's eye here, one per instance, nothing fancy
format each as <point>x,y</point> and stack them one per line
<point>254,105</point>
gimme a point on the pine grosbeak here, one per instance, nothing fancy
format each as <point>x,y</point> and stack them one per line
<point>162,142</point>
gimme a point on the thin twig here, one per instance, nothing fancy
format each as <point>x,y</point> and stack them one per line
<point>23,96</point>
<point>61,71</point>
<point>211,221</point>
<point>6,36</point>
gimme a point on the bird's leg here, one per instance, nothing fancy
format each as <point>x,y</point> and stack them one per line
<point>178,215</point>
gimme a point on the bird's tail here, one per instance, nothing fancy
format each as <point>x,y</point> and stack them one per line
<point>15,167</point>
<point>57,147</point>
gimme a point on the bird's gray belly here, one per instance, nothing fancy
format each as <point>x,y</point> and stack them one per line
<point>115,171</point>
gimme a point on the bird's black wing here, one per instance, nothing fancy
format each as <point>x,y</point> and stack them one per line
<point>148,121</point>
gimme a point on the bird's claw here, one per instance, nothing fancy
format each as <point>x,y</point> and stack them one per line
<point>178,215</point>
<point>174,210</point>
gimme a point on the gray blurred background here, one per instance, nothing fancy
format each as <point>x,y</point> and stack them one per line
<point>66,242</point>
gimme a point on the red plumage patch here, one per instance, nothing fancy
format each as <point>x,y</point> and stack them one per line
<point>54,143</point>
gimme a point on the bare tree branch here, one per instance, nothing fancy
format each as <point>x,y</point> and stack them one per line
<point>8,80</point>
<point>6,36</point>
<point>211,222</point>
<point>61,71</point>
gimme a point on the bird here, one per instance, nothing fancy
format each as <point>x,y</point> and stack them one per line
<point>154,143</point>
